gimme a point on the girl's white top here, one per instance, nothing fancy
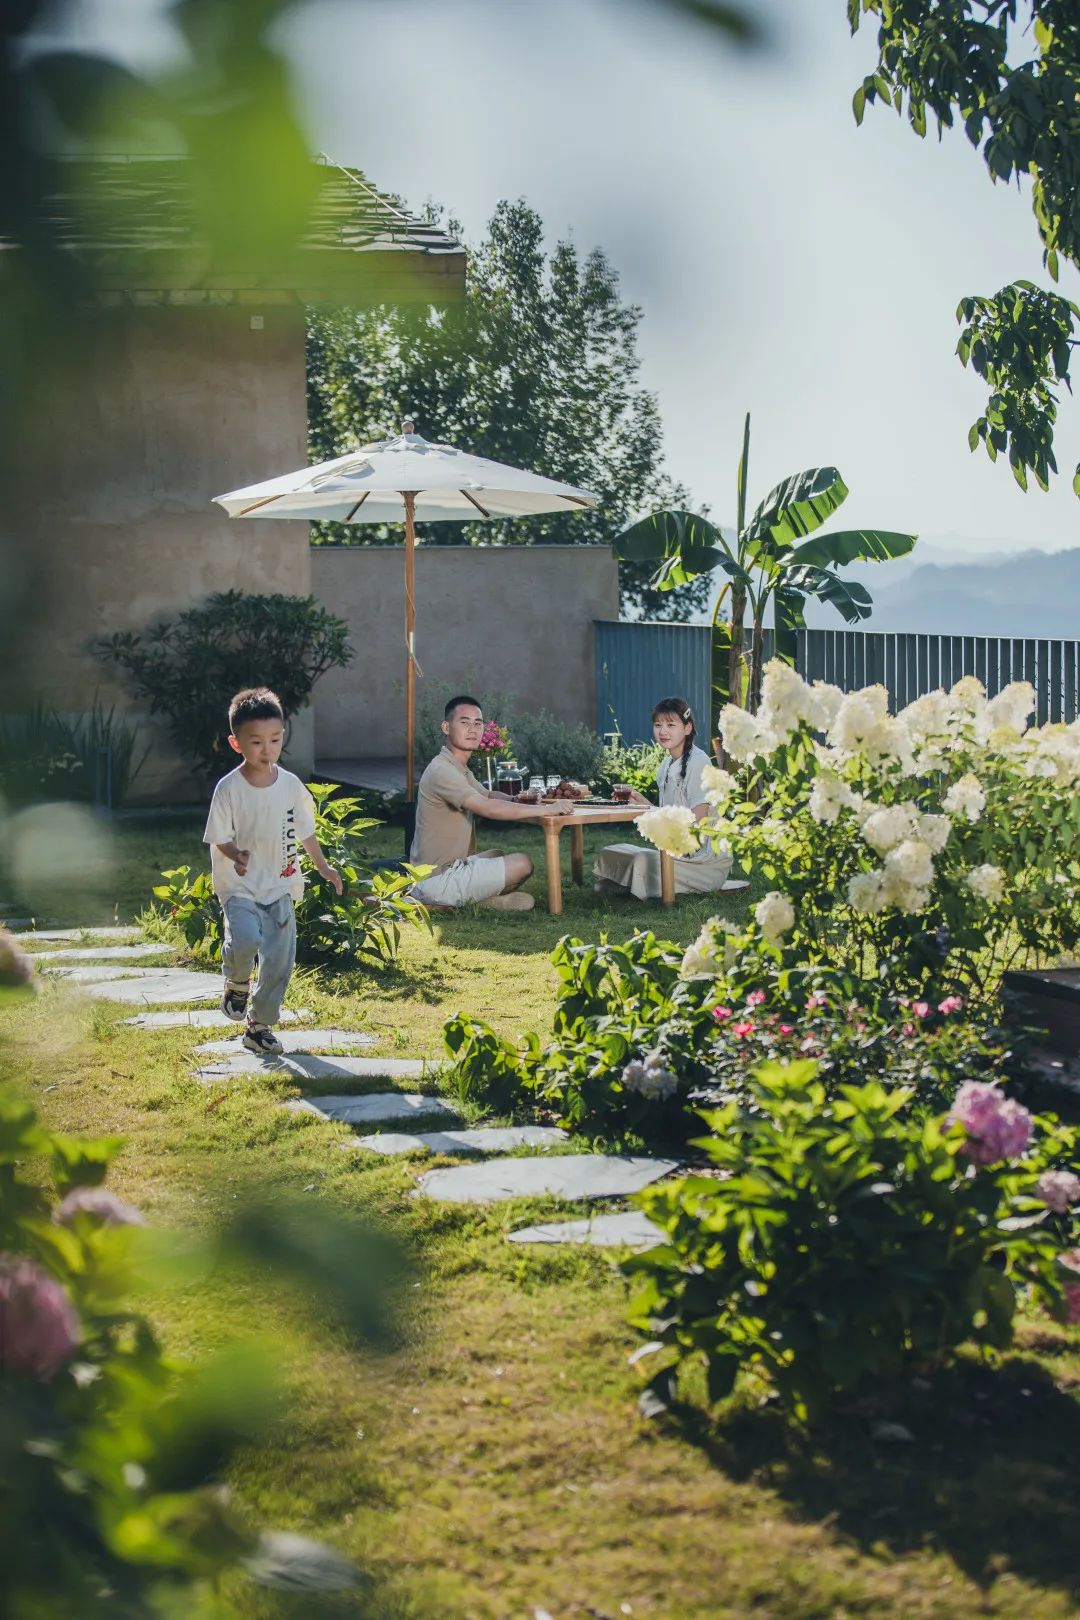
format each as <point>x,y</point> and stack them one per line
<point>686,791</point>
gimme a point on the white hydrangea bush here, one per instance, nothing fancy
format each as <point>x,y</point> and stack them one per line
<point>941,842</point>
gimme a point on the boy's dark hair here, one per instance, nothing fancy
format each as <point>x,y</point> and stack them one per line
<point>254,703</point>
<point>456,703</point>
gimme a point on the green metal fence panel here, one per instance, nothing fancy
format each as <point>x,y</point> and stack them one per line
<point>637,663</point>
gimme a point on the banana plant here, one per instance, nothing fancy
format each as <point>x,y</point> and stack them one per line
<point>765,563</point>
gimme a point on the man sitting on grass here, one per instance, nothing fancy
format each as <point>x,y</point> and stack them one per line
<point>447,800</point>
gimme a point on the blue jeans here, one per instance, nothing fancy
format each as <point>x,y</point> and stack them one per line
<point>265,933</point>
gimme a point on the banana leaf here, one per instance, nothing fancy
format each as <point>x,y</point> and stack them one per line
<point>797,507</point>
<point>854,545</point>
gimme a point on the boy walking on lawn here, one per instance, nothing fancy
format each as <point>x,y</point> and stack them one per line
<point>260,816</point>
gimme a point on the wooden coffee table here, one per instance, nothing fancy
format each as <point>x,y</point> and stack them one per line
<point>591,815</point>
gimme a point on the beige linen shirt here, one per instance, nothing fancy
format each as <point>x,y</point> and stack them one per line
<point>443,829</point>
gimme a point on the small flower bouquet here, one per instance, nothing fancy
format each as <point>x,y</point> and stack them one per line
<point>494,744</point>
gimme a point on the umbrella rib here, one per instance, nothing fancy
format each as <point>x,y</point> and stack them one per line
<point>256,504</point>
<point>354,509</point>
<point>476,503</point>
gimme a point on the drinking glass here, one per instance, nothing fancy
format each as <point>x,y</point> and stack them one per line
<point>553,782</point>
<point>536,785</point>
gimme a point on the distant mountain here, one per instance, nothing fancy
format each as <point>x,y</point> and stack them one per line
<point>1028,593</point>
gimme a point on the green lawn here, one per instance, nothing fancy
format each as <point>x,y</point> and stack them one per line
<point>492,1463</point>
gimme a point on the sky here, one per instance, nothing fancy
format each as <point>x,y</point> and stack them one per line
<point>787,262</point>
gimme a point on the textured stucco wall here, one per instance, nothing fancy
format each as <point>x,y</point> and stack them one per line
<point>177,405</point>
<point>517,619</point>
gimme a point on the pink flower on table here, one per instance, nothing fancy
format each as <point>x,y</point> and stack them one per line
<point>1058,1189</point>
<point>38,1326</point>
<point>997,1126</point>
<point>921,1009</point>
<point>744,1027</point>
<point>951,1004</point>
<point>720,1013</point>
<point>100,1202</point>
<point>755,998</point>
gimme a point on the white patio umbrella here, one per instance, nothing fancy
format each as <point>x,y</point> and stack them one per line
<point>406,479</point>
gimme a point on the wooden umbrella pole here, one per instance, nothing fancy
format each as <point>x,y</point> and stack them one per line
<point>410,641</point>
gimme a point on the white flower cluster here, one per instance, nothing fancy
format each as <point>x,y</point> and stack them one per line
<point>1055,754</point>
<point>786,700</point>
<point>966,798</point>
<point>775,916</point>
<point>988,882</point>
<point>717,785</point>
<point>671,828</point>
<point>829,795</point>
<point>712,951</point>
<point>649,1077</point>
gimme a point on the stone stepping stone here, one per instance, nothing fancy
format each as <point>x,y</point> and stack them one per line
<point>571,1176</point>
<point>26,925</point>
<point>306,1066</point>
<point>175,986</point>
<point>100,973</point>
<point>373,1108</point>
<point>294,1040</point>
<point>483,1139</point>
<point>102,953</point>
<point>202,1019</point>
<point>631,1229</point>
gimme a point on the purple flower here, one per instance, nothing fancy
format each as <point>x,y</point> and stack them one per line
<point>16,968</point>
<point>997,1126</point>
<point>1072,1302</point>
<point>1058,1189</point>
<point>38,1326</point>
<point>101,1203</point>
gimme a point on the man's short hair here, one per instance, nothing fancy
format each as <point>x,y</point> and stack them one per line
<point>254,703</point>
<point>458,702</point>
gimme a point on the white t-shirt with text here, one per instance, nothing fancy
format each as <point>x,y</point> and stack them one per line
<point>272,822</point>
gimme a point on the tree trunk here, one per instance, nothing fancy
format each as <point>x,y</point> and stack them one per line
<point>736,670</point>
<point>757,643</point>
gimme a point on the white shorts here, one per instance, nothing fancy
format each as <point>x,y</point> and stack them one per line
<point>477,877</point>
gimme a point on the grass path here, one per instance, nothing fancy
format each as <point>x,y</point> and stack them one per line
<point>492,1464</point>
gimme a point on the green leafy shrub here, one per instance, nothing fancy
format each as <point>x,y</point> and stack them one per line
<point>188,668</point>
<point>639,1044</point>
<point>633,763</point>
<point>365,920</point>
<point>844,1240</point>
<point>46,755</point>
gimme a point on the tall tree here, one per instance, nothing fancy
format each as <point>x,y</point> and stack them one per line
<point>537,367</point>
<point>1009,71</point>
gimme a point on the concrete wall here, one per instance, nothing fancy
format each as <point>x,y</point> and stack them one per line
<point>176,405</point>
<point>516,619</point>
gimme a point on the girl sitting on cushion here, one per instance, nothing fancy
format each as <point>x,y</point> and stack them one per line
<point>630,869</point>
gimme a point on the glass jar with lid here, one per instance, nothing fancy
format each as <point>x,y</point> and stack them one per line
<point>509,778</point>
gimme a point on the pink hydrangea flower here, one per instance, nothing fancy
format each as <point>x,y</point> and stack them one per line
<point>787,1029</point>
<point>38,1326</point>
<point>997,1126</point>
<point>744,1027</point>
<point>921,1009</point>
<point>951,1004</point>
<point>100,1202</point>
<point>755,998</point>
<point>1058,1189</point>
<point>720,1013</point>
